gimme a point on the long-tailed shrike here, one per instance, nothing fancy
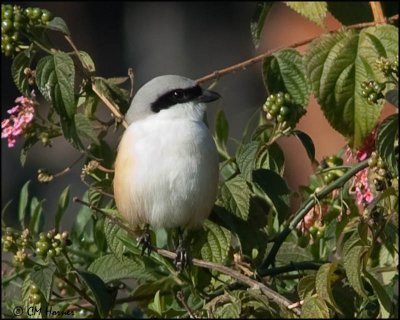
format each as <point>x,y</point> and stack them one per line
<point>166,170</point>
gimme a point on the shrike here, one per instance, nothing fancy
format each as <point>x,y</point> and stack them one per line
<point>166,170</point>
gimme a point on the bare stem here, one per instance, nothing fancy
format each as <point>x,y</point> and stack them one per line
<point>243,65</point>
<point>377,12</point>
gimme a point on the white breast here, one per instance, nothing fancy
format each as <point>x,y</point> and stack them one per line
<point>166,172</point>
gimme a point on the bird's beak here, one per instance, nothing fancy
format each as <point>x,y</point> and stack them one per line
<point>208,96</point>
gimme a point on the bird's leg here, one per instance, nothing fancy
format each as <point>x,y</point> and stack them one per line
<point>182,257</point>
<point>144,240</point>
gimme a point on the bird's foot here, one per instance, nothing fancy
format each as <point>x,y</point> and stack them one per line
<point>145,242</point>
<point>182,258</point>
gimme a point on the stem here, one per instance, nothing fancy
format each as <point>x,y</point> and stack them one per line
<point>294,266</point>
<point>377,12</point>
<point>303,210</point>
<point>243,65</point>
<point>274,296</point>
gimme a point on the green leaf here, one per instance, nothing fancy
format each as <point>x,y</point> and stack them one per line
<point>245,158</point>
<point>306,287</point>
<point>111,230</point>
<point>291,252</point>
<point>62,205</point>
<point>43,279</point>
<point>82,221</point>
<point>157,305</point>
<point>213,242</point>
<point>258,20</point>
<point>307,143</point>
<point>70,132</point>
<point>23,202</point>
<point>235,197</point>
<point>271,158</point>
<point>110,268</point>
<point>113,92</point>
<point>284,71</point>
<point>58,24</point>
<point>392,96</point>
<point>55,78</point>
<point>353,264</point>
<point>386,140</point>
<point>99,290</point>
<point>351,12</point>
<point>221,131</point>
<point>337,64</point>
<point>383,297</point>
<point>88,62</point>
<point>21,61</point>
<point>275,188</point>
<point>323,283</point>
<point>313,11</point>
<point>314,308</point>
<point>85,128</point>
<point>36,218</point>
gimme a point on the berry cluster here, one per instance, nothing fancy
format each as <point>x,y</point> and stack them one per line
<point>51,244</point>
<point>283,110</point>
<point>331,162</point>
<point>14,20</point>
<point>372,90</point>
<point>44,176</point>
<point>382,177</point>
<point>387,66</point>
<point>35,296</point>
<point>16,243</point>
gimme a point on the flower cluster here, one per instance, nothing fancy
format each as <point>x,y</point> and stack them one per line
<point>361,189</point>
<point>21,116</point>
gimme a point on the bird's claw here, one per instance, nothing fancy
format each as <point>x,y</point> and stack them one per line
<point>145,242</point>
<point>182,259</point>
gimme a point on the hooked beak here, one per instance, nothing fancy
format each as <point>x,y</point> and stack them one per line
<point>208,96</point>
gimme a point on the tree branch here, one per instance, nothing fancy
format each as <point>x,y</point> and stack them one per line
<point>274,296</point>
<point>243,65</point>
<point>377,12</point>
<point>306,206</point>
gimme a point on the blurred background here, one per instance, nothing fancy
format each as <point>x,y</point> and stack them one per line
<point>154,38</point>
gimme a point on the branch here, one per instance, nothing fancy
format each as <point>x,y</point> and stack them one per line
<point>306,206</point>
<point>243,65</point>
<point>274,296</point>
<point>377,12</point>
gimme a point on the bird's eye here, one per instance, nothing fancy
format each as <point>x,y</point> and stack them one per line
<point>178,95</point>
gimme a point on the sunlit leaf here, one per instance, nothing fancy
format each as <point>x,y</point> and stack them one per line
<point>314,11</point>
<point>386,140</point>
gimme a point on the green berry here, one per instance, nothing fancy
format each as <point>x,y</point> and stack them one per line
<point>46,16</point>
<point>287,97</point>
<point>280,118</point>
<point>279,100</point>
<point>42,236</point>
<point>8,14</point>
<point>51,253</point>
<point>43,246</point>
<point>35,298</point>
<point>365,93</point>
<point>272,97</point>
<point>28,12</point>
<point>36,13</point>
<point>274,109</point>
<point>313,230</point>
<point>6,26</point>
<point>284,111</point>
<point>34,289</point>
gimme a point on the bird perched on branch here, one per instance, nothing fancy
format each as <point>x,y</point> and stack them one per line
<point>166,170</point>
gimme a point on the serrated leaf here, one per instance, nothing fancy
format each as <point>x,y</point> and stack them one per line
<point>235,197</point>
<point>351,12</point>
<point>245,158</point>
<point>314,11</point>
<point>383,297</point>
<point>111,230</point>
<point>88,62</point>
<point>85,128</point>
<point>291,252</point>
<point>307,142</point>
<point>353,265</point>
<point>70,132</point>
<point>275,188</point>
<point>21,61</point>
<point>58,24</point>
<point>314,308</point>
<point>216,242</point>
<point>23,202</point>
<point>392,96</point>
<point>258,20</point>
<point>99,290</point>
<point>62,205</point>
<point>284,71</point>
<point>110,268</point>
<point>337,64</point>
<point>271,158</point>
<point>82,221</point>
<point>43,279</point>
<point>36,217</point>
<point>55,77</point>
<point>306,287</point>
<point>323,284</point>
<point>221,130</point>
<point>385,141</point>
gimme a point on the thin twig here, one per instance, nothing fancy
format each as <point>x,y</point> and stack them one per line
<point>205,264</point>
<point>243,65</point>
<point>69,167</point>
<point>131,76</point>
<point>181,298</point>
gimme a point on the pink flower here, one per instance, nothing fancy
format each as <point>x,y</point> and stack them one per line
<point>21,116</point>
<point>361,189</point>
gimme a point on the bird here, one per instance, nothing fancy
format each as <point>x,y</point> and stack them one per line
<point>166,169</point>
